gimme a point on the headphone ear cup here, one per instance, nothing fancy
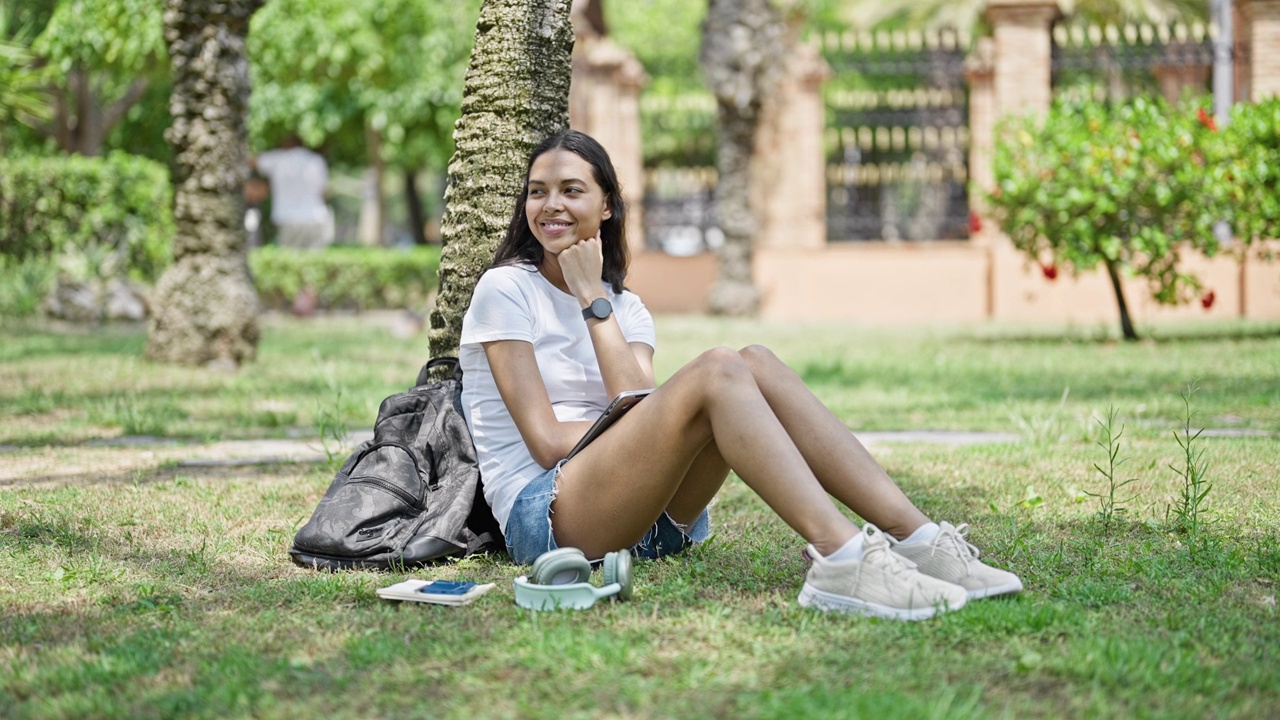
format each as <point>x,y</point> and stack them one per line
<point>617,569</point>
<point>561,566</point>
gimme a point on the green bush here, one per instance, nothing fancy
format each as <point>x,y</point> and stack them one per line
<point>1246,162</point>
<point>23,285</point>
<point>96,217</point>
<point>1126,187</point>
<point>354,278</point>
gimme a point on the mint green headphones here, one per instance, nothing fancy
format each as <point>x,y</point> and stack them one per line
<point>559,578</point>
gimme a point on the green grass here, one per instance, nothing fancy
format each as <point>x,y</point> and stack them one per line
<point>155,590</point>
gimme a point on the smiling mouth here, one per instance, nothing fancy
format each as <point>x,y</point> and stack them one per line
<point>555,224</point>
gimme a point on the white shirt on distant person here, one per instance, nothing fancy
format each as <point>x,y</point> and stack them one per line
<point>299,179</point>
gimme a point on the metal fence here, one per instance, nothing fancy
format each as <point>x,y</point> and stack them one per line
<point>897,138</point>
<point>1110,62</point>
<point>680,210</point>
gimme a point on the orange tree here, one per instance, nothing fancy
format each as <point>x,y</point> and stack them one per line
<point>1128,187</point>
<point>1245,162</point>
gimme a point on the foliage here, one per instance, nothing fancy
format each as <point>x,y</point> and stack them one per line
<point>1111,503</point>
<point>664,35</point>
<point>22,96</point>
<point>98,217</point>
<point>123,38</point>
<point>360,278</point>
<point>99,58</point>
<point>677,113</point>
<point>330,70</point>
<point>1122,187</point>
<point>1246,161</point>
<point>1189,509</point>
<point>24,283</point>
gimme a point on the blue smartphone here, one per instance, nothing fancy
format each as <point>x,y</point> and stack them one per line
<point>447,587</point>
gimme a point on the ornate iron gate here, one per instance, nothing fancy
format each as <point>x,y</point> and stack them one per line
<point>898,136</point>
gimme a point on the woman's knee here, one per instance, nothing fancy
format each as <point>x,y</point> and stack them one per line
<point>714,373</point>
<point>759,357</point>
<point>720,365</point>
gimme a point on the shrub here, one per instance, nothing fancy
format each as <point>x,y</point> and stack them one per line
<point>1125,187</point>
<point>1246,162</point>
<point>96,217</point>
<point>23,285</point>
<point>357,278</point>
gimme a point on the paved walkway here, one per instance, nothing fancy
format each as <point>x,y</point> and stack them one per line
<point>123,457</point>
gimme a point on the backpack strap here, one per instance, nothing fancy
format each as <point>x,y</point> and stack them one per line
<point>424,375</point>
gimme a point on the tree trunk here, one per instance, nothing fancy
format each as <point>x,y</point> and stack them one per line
<point>205,306</point>
<point>1126,323</point>
<point>743,50</point>
<point>82,119</point>
<point>373,209</point>
<point>413,202</point>
<point>516,94</point>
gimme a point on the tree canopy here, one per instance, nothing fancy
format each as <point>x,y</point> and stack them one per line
<point>328,70</point>
<point>333,70</point>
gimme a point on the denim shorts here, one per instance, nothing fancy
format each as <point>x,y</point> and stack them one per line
<point>529,526</point>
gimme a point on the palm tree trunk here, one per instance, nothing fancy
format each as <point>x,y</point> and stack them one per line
<point>205,306</point>
<point>516,94</point>
<point>743,50</point>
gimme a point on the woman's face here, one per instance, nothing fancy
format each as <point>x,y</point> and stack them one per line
<point>564,204</point>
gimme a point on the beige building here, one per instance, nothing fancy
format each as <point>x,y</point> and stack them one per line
<point>802,276</point>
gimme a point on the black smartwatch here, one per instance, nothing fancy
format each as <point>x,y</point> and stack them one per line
<point>598,309</point>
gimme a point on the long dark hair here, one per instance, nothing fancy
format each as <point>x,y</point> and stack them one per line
<point>520,246</point>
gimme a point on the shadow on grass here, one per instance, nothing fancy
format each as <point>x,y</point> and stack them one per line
<point>154,475</point>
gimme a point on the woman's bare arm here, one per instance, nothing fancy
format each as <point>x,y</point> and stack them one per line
<point>623,365</point>
<point>515,371</point>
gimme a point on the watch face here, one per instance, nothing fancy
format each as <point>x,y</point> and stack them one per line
<point>601,308</point>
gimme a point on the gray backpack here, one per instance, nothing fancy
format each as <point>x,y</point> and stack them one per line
<point>411,495</point>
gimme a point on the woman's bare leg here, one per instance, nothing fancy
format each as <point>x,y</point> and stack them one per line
<point>837,458</point>
<point>706,475</point>
<point>656,458</point>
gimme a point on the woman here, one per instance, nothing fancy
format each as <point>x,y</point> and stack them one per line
<point>551,336</point>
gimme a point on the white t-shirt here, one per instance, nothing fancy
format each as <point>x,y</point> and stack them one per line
<point>299,178</point>
<point>518,303</point>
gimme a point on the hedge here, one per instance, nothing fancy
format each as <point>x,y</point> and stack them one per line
<point>99,217</point>
<point>347,277</point>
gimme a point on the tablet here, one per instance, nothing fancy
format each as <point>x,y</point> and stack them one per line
<point>620,405</point>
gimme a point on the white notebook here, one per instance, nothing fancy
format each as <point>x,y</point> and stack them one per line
<point>440,592</point>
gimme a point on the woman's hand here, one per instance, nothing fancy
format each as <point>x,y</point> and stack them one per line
<point>582,264</point>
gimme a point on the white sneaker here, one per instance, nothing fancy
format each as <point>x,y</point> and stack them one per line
<point>882,584</point>
<point>950,557</point>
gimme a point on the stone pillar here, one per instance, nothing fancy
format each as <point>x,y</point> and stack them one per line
<point>604,102</point>
<point>1023,49</point>
<point>789,182</point>
<point>1259,28</point>
<point>979,71</point>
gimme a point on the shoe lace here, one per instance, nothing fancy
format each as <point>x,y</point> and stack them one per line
<point>954,540</point>
<point>878,553</point>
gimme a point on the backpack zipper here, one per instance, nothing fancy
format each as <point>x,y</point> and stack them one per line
<point>398,492</point>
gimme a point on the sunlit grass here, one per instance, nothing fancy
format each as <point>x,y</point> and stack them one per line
<point>133,586</point>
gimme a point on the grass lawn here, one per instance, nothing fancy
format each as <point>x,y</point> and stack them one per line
<point>136,587</point>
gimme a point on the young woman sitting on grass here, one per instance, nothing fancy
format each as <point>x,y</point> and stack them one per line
<point>552,335</point>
